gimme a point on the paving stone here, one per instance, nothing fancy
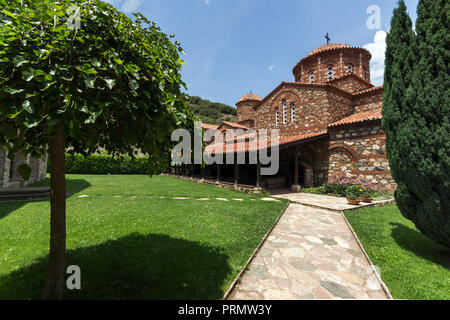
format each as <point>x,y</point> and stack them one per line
<point>330,242</point>
<point>259,272</point>
<point>270,200</point>
<point>336,289</point>
<point>265,252</point>
<point>303,265</point>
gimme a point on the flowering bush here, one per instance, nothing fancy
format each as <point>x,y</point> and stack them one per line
<point>354,192</point>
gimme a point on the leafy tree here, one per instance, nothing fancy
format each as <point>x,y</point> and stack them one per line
<point>113,83</point>
<point>211,112</point>
<point>416,111</point>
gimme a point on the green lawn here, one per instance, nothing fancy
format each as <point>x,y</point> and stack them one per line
<point>412,265</point>
<point>132,244</point>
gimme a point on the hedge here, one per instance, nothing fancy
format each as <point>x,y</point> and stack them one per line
<point>105,164</point>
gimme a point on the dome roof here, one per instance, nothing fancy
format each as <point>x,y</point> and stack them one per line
<point>328,47</point>
<point>250,97</point>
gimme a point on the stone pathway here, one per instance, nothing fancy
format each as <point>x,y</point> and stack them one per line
<point>310,254</point>
<point>322,201</point>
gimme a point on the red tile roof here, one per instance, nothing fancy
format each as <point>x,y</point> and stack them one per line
<point>208,126</point>
<point>359,117</point>
<point>327,47</point>
<point>250,97</point>
<point>233,125</point>
<point>367,91</point>
<point>222,148</point>
<point>351,75</point>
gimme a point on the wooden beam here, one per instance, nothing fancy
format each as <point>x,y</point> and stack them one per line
<point>236,174</point>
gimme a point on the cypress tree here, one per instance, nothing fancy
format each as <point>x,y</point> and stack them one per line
<point>416,111</point>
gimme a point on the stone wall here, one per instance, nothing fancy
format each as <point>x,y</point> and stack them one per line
<point>315,108</point>
<point>350,84</point>
<point>245,110</point>
<point>369,102</point>
<point>10,178</point>
<point>359,151</point>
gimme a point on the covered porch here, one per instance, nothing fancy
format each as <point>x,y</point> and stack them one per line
<point>302,164</point>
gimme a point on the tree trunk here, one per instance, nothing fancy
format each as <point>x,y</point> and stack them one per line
<point>54,285</point>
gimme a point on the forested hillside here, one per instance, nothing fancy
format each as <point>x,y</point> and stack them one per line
<point>211,112</point>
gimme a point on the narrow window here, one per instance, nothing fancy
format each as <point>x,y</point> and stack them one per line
<point>350,69</point>
<point>330,73</point>
<point>284,112</point>
<point>277,118</point>
<point>292,112</point>
<point>311,77</point>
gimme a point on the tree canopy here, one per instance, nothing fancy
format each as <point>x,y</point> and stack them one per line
<point>416,115</point>
<point>211,112</point>
<point>114,83</point>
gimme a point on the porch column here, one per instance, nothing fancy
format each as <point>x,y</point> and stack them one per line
<point>236,174</point>
<point>218,173</point>
<point>192,170</point>
<point>202,172</point>
<point>258,174</point>
<point>296,186</point>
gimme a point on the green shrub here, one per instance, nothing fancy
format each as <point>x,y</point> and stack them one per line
<point>105,164</point>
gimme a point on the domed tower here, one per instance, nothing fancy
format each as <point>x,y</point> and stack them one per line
<point>333,61</point>
<point>245,108</point>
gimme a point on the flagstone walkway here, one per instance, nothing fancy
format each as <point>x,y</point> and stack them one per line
<point>310,254</point>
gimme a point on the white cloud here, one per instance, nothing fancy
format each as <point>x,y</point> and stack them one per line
<point>131,5</point>
<point>207,2</point>
<point>271,67</point>
<point>378,49</point>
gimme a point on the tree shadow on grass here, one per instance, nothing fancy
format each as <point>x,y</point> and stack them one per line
<point>419,244</point>
<point>133,267</point>
<point>72,185</point>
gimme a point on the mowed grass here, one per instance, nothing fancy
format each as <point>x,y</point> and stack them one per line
<point>412,265</point>
<point>132,244</point>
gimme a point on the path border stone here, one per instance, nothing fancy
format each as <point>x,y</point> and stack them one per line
<point>247,264</point>
<point>366,256</point>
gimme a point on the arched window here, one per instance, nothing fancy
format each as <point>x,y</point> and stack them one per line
<point>292,112</point>
<point>284,111</point>
<point>350,69</point>
<point>277,117</point>
<point>311,77</point>
<point>330,73</point>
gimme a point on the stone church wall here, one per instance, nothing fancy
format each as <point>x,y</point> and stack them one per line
<point>359,151</point>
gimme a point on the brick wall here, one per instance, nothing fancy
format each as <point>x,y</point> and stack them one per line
<point>359,151</point>
<point>350,84</point>
<point>315,108</point>
<point>369,102</point>
<point>245,110</point>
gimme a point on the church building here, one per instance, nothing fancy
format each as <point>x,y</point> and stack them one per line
<point>329,122</point>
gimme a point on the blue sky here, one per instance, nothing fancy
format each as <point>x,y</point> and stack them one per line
<point>237,46</point>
